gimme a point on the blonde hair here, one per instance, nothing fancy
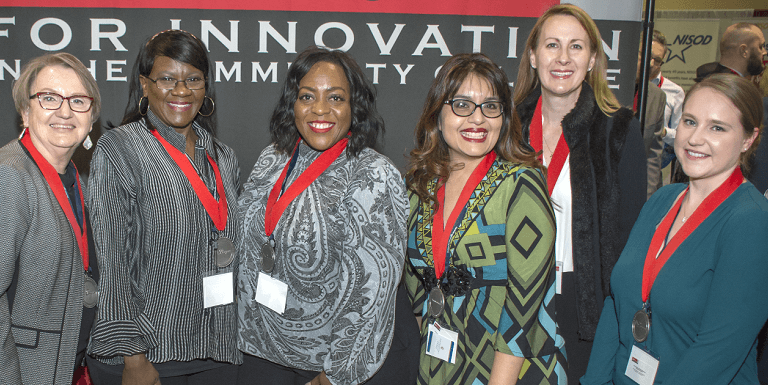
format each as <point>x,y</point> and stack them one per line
<point>23,85</point>
<point>528,79</point>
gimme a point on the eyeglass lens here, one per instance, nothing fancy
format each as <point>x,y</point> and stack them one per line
<point>467,108</point>
<point>170,83</point>
<point>53,101</point>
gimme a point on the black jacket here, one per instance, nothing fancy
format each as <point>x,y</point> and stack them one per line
<point>608,187</point>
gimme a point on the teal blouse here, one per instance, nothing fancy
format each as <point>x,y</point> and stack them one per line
<point>708,302</point>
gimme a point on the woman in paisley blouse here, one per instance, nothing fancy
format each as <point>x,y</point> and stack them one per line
<point>481,234</point>
<point>324,233</point>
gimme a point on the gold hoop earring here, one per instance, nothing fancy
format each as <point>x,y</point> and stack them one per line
<point>213,107</point>
<point>146,109</point>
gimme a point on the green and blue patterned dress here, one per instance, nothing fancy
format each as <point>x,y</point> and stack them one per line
<point>505,238</point>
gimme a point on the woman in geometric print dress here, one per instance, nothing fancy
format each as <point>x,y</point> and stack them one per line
<point>479,201</point>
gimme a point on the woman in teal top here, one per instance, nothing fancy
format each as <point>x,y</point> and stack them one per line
<point>707,303</point>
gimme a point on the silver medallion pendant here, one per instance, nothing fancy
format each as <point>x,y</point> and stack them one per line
<point>436,302</point>
<point>267,257</point>
<point>90,292</point>
<point>641,325</point>
<point>225,252</point>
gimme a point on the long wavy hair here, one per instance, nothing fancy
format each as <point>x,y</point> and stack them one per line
<point>180,46</point>
<point>366,125</point>
<point>746,98</point>
<point>430,159</point>
<point>528,78</point>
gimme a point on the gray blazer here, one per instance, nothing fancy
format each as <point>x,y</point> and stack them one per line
<point>654,123</point>
<point>39,334</point>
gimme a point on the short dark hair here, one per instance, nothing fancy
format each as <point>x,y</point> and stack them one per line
<point>366,124</point>
<point>661,39</point>
<point>180,46</point>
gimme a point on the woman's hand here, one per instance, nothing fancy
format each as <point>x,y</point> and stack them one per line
<point>321,379</point>
<point>139,371</point>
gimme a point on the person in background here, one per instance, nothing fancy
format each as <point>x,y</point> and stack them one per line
<point>653,129</point>
<point>675,93</point>
<point>481,236</point>
<point>742,49</point>
<point>596,164</point>
<point>323,237</point>
<point>688,292</point>
<point>163,192</point>
<point>673,109</point>
<point>49,273</point>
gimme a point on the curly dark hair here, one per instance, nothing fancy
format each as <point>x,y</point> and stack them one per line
<point>180,46</point>
<point>366,125</point>
<point>430,158</point>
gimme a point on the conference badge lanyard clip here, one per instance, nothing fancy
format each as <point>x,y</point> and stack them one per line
<point>442,342</point>
<point>218,288</point>
<point>272,292</point>
<point>643,363</point>
<point>90,287</point>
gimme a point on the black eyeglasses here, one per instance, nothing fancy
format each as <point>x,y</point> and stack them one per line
<point>53,101</point>
<point>169,83</point>
<point>463,107</point>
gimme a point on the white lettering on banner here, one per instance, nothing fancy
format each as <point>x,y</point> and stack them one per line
<point>265,28</point>
<point>34,34</point>
<point>6,20</point>
<point>97,34</point>
<point>375,71</point>
<point>348,35</point>
<point>385,48</point>
<point>175,23</point>
<point>112,70</point>
<point>512,52</point>
<point>432,31</point>
<point>207,28</point>
<point>403,73</point>
<point>477,34</point>
<point>612,78</point>
<point>256,69</point>
<point>613,50</point>
<point>14,72</point>
<point>92,69</point>
<point>220,69</point>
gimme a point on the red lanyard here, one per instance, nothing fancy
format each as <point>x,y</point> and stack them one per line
<point>561,150</point>
<point>653,264</point>
<point>275,206</point>
<point>661,81</point>
<point>54,182</point>
<point>440,237</point>
<point>216,210</point>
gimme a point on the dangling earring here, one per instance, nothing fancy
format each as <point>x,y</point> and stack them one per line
<point>22,133</point>
<point>87,143</point>
<point>213,108</point>
<point>146,109</point>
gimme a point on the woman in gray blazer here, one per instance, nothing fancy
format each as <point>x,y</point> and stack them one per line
<point>48,272</point>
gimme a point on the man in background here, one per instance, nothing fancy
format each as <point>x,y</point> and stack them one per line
<point>653,127</point>
<point>741,53</point>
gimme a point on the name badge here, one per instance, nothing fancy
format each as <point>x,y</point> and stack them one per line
<point>218,290</point>
<point>642,366</point>
<point>442,343</point>
<point>271,293</point>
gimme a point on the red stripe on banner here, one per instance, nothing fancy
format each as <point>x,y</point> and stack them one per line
<point>514,8</point>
